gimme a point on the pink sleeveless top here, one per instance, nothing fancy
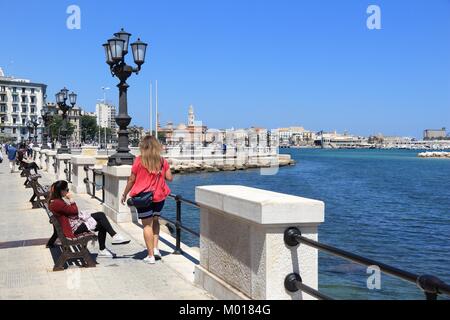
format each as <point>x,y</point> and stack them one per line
<point>146,181</point>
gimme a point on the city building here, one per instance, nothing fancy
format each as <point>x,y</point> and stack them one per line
<point>135,134</point>
<point>193,132</point>
<point>20,101</point>
<point>434,134</point>
<point>106,115</point>
<point>336,140</point>
<point>295,136</point>
<point>90,114</point>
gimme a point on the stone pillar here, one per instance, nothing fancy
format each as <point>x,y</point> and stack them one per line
<point>242,251</point>
<point>36,156</point>
<point>115,182</point>
<point>51,160</point>
<point>44,159</point>
<point>61,166</point>
<point>41,160</point>
<point>79,174</point>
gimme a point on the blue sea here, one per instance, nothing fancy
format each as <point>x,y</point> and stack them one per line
<point>387,205</point>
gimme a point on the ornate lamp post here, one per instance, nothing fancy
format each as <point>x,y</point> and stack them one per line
<point>61,98</point>
<point>47,117</point>
<point>115,50</point>
<point>34,122</point>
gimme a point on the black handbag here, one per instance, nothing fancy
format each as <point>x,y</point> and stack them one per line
<point>143,199</point>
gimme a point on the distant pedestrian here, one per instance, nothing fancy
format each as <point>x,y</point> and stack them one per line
<point>148,175</point>
<point>1,155</point>
<point>12,157</point>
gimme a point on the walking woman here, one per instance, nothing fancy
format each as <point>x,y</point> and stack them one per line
<point>73,222</point>
<point>149,173</point>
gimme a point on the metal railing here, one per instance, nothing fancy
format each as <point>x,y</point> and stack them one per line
<point>93,183</point>
<point>178,225</point>
<point>430,285</point>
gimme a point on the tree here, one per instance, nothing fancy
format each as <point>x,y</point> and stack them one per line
<point>89,128</point>
<point>56,125</point>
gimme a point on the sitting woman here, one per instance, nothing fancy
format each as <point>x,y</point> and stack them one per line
<point>73,222</point>
<point>23,164</point>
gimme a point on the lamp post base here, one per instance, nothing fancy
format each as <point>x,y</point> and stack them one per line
<point>62,150</point>
<point>120,158</point>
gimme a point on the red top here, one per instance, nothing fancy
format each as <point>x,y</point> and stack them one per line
<point>62,211</point>
<point>146,181</point>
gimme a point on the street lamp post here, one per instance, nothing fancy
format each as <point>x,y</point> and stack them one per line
<point>115,50</point>
<point>34,122</point>
<point>61,98</point>
<point>47,117</point>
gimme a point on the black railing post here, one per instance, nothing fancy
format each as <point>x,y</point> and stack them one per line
<point>177,226</point>
<point>103,187</point>
<point>94,184</point>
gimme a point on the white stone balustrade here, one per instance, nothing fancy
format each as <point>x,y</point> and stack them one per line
<point>79,174</point>
<point>242,250</point>
<point>61,165</point>
<point>41,159</point>
<point>51,160</point>
<point>36,156</point>
<point>115,182</point>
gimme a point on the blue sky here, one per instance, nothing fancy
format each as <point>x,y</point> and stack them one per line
<point>249,63</point>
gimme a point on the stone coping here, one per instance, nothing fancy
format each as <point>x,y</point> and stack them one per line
<point>117,171</point>
<point>64,156</point>
<point>260,206</point>
<point>82,159</point>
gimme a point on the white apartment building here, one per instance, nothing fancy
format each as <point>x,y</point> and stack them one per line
<point>20,101</point>
<point>106,114</point>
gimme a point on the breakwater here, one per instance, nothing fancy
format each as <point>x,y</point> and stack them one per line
<point>434,155</point>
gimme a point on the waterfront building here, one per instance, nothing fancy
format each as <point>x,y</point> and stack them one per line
<point>295,136</point>
<point>434,134</point>
<point>336,140</point>
<point>20,100</point>
<point>106,115</point>
<point>194,132</point>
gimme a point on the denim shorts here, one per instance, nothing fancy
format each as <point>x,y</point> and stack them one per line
<point>153,210</point>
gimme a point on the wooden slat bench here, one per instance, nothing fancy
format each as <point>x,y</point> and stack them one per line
<point>29,178</point>
<point>40,193</point>
<point>72,248</point>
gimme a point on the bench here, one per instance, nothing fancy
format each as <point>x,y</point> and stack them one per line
<point>72,248</point>
<point>30,178</point>
<point>40,193</point>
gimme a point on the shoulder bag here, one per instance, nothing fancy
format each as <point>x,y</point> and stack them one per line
<point>144,199</point>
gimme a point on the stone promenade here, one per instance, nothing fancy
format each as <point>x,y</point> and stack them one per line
<point>26,265</point>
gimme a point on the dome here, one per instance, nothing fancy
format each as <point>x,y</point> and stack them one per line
<point>181,126</point>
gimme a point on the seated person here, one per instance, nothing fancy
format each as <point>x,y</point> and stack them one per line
<point>23,164</point>
<point>63,206</point>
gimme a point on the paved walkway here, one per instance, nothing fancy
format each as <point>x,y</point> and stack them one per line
<point>26,265</point>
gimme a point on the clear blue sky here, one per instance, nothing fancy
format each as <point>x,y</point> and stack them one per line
<point>249,63</point>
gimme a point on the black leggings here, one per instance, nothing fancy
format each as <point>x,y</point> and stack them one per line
<point>103,227</point>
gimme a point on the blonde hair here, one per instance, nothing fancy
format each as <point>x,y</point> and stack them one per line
<point>150,153</point>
